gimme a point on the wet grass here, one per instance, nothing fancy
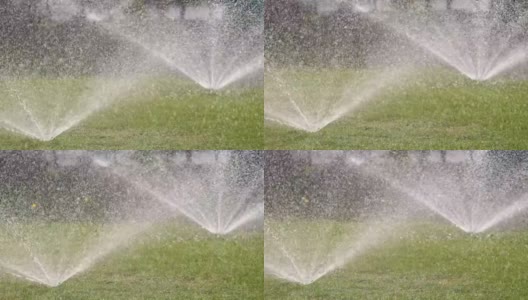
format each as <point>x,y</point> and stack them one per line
<point>163,113</point>
<point>172,262</point>
<point>431,110</point>
<point>425,261</point>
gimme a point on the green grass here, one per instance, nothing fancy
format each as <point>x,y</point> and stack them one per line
<point>428,110</point>
<point>425,261</point>
<point>162,113</point>
<point>172,262</point>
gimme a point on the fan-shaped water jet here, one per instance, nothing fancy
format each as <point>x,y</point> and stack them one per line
<point>480,43</point>
<point>221,195</point>
<point>215,52</point>
<point>60,216</point>
<point>311,100</point>
<point>467,193</point>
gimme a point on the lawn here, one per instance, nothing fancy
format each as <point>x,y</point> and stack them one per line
<point>426,109</point>
<point>425,261</point>
<point>160,113</point>
<point>171,261</point>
